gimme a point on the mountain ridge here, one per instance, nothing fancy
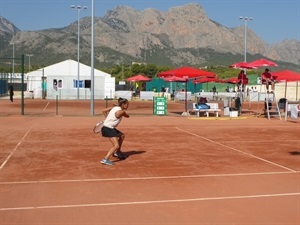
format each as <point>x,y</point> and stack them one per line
<point>184,35</point>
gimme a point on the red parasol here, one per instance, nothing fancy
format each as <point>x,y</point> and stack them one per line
<point>138,78</point>
<point>286,75</point>
<point>232,80</point>
<point>261,62</point>
<point>206,80</point>
<point>186,72</point>
<point>241,65</point>
<point>175,79</point>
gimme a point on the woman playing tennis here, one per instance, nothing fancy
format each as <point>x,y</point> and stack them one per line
<point>113,117</point>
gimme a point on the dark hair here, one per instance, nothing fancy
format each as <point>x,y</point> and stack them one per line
<point>122,101</point>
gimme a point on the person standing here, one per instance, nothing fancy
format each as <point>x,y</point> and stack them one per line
<point>163,90</point>
<point>214,89</point>
<point>242,80</point>
<point>11,93</point>
<point>268,79</point>
<point>113,117</point>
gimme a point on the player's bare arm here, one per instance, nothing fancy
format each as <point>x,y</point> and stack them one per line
<point>121,113</point>
<point>106,111</point>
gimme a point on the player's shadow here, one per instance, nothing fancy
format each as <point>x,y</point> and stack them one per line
<point>133,152</point>
<point>295,153</point>
<point>129,154</point>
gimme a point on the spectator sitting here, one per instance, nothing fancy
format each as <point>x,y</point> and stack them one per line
<point>268,79</point>
<point>201,104</point>
<point>202,100</point>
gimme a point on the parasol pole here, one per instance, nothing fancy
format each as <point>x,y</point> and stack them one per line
<point>285,89</point>
<point>186,81</point>
<point>296,90</point>
<point>186,96</point>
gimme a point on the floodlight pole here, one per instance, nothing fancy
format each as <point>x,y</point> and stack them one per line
<point>22,84</point>
<point>29,55</point>
<point>92,61</point>
<point>13,63</point>
<point>245,19</point>
<point>78,8</point>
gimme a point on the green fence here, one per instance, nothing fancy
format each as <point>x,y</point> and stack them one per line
<point>157,83</point>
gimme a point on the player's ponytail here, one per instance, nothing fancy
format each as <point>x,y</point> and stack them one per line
<point>122,101</point>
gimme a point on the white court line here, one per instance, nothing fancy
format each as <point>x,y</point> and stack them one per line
<point>261,141</point>
<point>253,156</point>
<point>150,202</point>
<point>148,178</point>
<point>46,106</point>
<point>10,155</point>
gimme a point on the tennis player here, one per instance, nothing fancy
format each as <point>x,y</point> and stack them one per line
<point>113,117</point>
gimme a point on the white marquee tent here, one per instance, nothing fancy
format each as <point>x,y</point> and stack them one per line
<point>60,80</point>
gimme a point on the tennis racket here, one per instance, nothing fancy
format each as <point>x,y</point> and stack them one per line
<point>97,127</point>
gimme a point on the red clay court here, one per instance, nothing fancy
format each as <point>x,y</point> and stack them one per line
<point>179,170</point>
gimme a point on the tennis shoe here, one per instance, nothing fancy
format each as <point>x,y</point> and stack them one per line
<point>107,162</point>
<point>119,155</point>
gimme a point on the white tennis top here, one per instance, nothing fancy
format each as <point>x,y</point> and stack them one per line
<point>111,120</point>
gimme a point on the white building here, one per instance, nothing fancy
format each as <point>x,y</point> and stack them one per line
<point>61,81</point>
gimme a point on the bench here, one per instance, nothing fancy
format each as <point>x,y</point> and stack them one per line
<point>214,108</point>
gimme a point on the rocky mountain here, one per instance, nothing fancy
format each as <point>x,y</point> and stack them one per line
<point>6,27</point>
<point>182,36</point>
<point>7,31</point>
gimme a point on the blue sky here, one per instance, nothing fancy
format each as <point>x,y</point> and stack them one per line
<point>273,20</point>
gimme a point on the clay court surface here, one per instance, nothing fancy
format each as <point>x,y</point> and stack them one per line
<point>180,170</point>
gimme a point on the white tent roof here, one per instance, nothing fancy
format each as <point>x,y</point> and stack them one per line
<point>67,68</point>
